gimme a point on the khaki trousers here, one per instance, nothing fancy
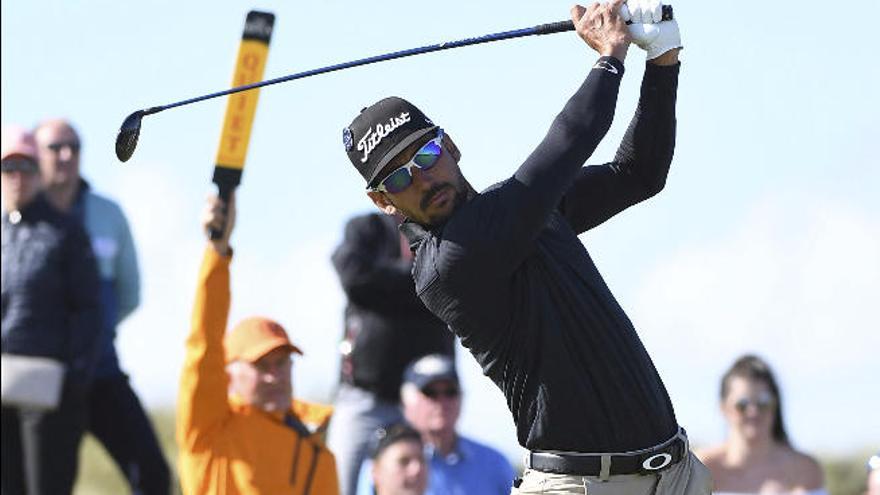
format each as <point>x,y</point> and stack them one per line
<point>688,477</point>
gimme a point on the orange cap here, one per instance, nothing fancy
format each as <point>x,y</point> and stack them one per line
<point>253,338</point>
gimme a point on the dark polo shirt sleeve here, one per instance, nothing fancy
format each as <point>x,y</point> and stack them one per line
<point>509,276</point>
<point>511,215</point>
<point>642,161</point>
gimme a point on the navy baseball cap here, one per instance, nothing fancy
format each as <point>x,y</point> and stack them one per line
<point>429,369</point>
<point>380,132</point>
<point>388,435</point>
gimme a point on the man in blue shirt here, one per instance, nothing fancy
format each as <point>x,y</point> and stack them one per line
<point>431,399</point>
<point>116,417</point>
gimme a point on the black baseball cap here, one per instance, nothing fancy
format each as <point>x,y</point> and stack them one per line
<point>380,132</point>
<point>429,369</point>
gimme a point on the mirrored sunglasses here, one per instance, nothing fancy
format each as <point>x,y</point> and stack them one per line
<point>401,178</point>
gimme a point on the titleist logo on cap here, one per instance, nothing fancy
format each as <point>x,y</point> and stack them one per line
<point>372,139</point>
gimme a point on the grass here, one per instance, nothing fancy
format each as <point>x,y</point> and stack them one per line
<point>98,474</point>
<point>846,475</point>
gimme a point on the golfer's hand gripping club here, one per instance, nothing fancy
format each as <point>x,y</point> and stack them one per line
<point>650,28</point>
<point>562,26</point>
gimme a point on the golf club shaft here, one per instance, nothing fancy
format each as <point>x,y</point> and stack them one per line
<point>554,27</point>
<point>127,137</point>
<point>369,60</point>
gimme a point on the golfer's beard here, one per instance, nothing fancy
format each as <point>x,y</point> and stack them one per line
<point>459,198</point>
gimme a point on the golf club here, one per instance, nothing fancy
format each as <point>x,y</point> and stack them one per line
<point>127,138</point>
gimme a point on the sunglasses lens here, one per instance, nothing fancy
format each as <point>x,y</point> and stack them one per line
<point>428,155</point>
<point>425,158</point>
<point>764,403</point>
<point>57,147</point>
<point>761,404</point>
<point>17,164</point>
<point>449,393</point>
<point>399,180</point>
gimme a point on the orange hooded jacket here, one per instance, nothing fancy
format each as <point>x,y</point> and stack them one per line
<point>228,448</point>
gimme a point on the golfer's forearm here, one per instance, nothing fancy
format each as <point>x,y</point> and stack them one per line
<point>647,147</point>
<point>521,206</point>
<point>574,135</point>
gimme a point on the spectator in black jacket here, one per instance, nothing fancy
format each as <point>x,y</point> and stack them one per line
<point>386,327</point>
<point>51,309</point>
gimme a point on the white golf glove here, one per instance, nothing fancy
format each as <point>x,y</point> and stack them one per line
<point>648,29</point>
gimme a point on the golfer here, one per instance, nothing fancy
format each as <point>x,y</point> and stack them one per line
<point>505,270</point>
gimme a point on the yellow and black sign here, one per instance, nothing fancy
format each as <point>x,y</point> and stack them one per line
<point>241,107</point>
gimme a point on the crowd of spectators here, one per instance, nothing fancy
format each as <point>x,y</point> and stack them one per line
<point>70,276</point>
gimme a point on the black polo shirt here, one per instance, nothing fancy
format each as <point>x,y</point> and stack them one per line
<point>509,275</point>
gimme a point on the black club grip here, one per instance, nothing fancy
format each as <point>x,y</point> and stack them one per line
<point>554,27</point>
<point>558,27</point>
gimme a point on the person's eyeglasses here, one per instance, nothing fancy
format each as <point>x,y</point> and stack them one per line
<point>425,159</point>
<point>57,147</point>
<point>436,392</point>
<point>19,164</point>
<point>762,403</point>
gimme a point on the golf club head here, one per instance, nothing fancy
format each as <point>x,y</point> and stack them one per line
<point>127,139</point>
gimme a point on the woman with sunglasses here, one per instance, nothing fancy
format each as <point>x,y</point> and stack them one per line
<point>757,456</point>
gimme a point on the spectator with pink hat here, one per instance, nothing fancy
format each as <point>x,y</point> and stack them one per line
<point>51,321</point>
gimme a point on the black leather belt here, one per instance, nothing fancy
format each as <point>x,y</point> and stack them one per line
<point>648,461</point>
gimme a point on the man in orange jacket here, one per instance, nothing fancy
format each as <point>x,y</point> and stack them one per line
<point>238,429</point>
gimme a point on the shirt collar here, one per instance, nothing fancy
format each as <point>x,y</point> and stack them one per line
<point>415,233</point>
<point>459,452</point>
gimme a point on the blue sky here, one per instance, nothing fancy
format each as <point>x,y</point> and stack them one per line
<point>765,239</point>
